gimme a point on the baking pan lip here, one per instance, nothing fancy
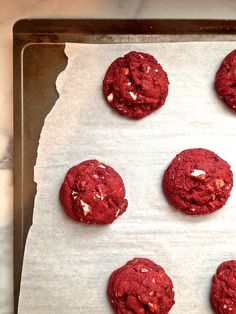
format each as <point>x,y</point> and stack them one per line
<point>55,32</point>
<point>134,26</point>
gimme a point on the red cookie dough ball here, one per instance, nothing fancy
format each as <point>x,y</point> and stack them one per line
<point>93,192</point>
<point>223,291</point>
<point>135,85</point>
<point>140,287</point>
<point>197,182</point>
<point>225,81</point>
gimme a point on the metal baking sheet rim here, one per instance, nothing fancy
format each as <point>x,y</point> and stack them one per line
<point>51,34</point>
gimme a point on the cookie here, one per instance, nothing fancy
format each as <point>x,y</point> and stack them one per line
<point>197,182</point>
<point>140,286</point>
<point>135,85</point>
<point>93,192</point>
<point>223,291</point>
<point>225,80</point>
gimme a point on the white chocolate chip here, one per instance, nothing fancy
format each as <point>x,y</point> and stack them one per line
<point>156,70</point>
<point>225,306</point>
<point>117,213</point>
<point>86,207</point>
<point>219,183</point>
<point>110,97</point>
<point>144,270</point>
<point>152,306</point>
<point>101,166</point>
<point>141,56</point>
<point>133,95</point>
<point>192,209</point>
<point>148,69</point>
<point>74,195</point>
<point>153,280</point>
<point>98,195</point>
<point>151,293</point>
<point>129,83</point>
<point>198,172</point>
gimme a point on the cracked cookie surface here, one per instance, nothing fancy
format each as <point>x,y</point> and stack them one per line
<point>223,291</point>
<point>225,80</point>
<point>93,192</point>
<point>197,181</point>
<point>140,287</point>
<point>135,85</point>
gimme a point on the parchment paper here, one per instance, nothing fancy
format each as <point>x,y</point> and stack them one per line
<point>67,264</point>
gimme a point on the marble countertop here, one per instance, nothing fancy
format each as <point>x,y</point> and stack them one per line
<point>10,12</point>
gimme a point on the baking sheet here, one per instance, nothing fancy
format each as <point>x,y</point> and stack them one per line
<point>66,264</point>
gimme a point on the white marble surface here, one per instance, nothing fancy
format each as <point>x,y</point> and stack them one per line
<point>11,11</point>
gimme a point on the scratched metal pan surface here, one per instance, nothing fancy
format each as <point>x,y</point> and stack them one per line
<point>38,54</point>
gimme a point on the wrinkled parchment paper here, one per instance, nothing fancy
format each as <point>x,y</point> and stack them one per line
<point>67,264</point>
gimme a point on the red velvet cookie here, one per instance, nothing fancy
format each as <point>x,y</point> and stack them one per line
<point>135,85</point>
<point>225,81</point>
<point>223,291</point>
<point>93,192</point>
<point>140,287</point>
<point>197,182</point>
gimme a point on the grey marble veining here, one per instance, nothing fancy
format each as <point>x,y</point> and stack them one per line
<point>6,160</point>
<point>6,275</point>
<point>11,11</point>
<point>133,8</point>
